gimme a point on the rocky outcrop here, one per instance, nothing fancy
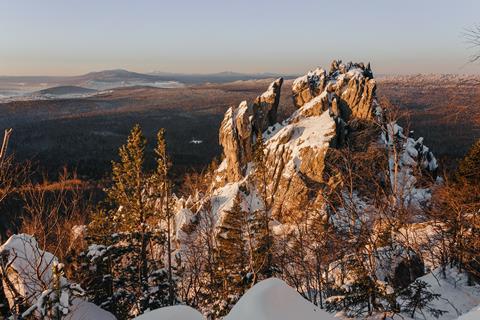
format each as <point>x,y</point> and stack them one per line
<point>331,156</point>
<point>309,86</point>
<point>241,124</point>
<point>350,88</point>
<point>295,150</point>
<point>236,139</point>
<point>334,110</point>
<point>265,106</point>
<point>295,154</point>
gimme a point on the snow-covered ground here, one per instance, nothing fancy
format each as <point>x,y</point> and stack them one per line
<point>30,270</point>
<point>472,315</point>
<point>172,313</point>
<point>457,297</point>
<point>273,299</point>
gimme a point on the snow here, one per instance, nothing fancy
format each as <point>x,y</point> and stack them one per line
<point>298,82</point>
<point>456,298</point>
<point>84,310</point>
<point>79,231</point>
<point>33,266</point>
<point>406,155</point>
<point>172,313</point>
<point>355,73</point>
<point>96,251</point>
<point>273,299</point>
<point>30,268</point>
<point>270,92</point>
<point>223,200</point>
<point>315,132</point>
<point>472,315</point>
<point>425,239</point>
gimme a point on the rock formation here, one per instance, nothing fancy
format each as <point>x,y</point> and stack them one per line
<point>240,126</point>
<point>350,88</point>
<point>295,149</point>
<point>333,109</point>
<point>338,157</point>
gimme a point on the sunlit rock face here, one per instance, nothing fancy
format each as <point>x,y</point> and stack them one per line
<point>240,126</point>
<point>350,88</point>
<point>335,109</point>
<point>295,149</point>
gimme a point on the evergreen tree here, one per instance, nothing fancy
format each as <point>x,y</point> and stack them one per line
<point>417,297</point>
<point>469,166</point>
<point>161,189</point>
<point>127,193</point>
<point>231,256</point>
<point>260,218</point>
<point>125,241</point>
<point>363,294</point>
<point>129,181</point>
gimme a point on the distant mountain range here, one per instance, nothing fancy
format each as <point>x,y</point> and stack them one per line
<point>220,77</point>
<point>28,86</point>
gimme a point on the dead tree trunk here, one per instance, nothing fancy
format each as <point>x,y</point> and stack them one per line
<point>6,137</point>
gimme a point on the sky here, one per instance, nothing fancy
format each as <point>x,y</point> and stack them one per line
<point>68,37</point>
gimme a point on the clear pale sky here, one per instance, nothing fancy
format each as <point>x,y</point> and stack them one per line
<point>60,37</point>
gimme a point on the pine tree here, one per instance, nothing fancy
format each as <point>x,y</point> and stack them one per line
<point>161,188</point>
<point>469,166</point>
<point>417,297</point>
<point>260,219</point>
<point>127,193</point>
<point>231,256</point>
<point>128,277</point>
<point>129,181</point>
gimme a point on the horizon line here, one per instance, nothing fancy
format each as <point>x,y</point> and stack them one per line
<point>174,73</point>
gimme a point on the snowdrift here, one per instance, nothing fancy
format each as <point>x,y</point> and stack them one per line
<point>472,315</point>
<point>84,310</point>
<point>30,270</point>
<point>271,299</point>
<point>172,313</point>
<point>274,299</point>
<point>457,297</point>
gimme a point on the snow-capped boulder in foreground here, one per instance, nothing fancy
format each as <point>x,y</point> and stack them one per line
<point>84,310</point>
<point>273,299</point>
<point>30,273</point>
<point>172,313</point>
